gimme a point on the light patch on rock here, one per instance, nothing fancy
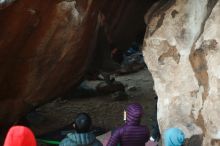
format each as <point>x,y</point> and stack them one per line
<point>5,3</point>
<point>70,7</point>
<point>187,79</point>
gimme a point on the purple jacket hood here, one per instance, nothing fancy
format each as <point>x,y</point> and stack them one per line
<point>134,113</point>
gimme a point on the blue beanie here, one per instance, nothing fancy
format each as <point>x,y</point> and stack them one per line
<point>174,137</point>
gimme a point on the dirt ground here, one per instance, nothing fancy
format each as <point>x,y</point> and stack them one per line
<point>105,112</point>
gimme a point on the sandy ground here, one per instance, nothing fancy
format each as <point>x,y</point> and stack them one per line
<point>105,112</point>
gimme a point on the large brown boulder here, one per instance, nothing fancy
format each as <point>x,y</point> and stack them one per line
<point>46,46</point>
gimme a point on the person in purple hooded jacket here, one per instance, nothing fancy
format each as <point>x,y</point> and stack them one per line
<point>131,133</point>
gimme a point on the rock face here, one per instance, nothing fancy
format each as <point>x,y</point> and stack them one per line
<point>181,49</point>
<point>46,46</point>
<point>5,3</point>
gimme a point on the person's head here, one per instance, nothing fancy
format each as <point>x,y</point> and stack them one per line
<point>20,136</point>
<point>82,123</point>
<point>174,137</point>
<point>133,113</point>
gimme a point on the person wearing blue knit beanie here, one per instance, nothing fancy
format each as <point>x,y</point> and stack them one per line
<point>174,137</point>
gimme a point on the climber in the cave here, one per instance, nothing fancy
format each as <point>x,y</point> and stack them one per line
<point>131,133</point>
<point>82,134</point>
<point>116,54</point>
<point>133,49</point>
<point>174,137</point>
<point>155,136</point>
<point>155,131</point>
<point>20,136</point>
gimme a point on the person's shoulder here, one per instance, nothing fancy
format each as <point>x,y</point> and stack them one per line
<point>97,143</point>
<point>67,142</point>
<point>119,129</point>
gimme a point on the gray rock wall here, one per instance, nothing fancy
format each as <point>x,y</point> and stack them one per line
<point>182,51</point>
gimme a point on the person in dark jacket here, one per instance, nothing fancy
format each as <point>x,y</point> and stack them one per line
<point>82,136</point>
<point>131,133</point>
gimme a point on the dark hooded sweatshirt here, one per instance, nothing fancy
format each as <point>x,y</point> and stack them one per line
<point>80,139</point>
<point>131,133</point>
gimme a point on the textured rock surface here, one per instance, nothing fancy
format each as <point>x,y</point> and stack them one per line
<point>181,49</point>
<point>45,46</point>
<point>5,3</point>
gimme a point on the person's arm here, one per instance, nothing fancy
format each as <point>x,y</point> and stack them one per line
<point>147,134</point>
<point>66,142</point>
<point>115,138</point>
